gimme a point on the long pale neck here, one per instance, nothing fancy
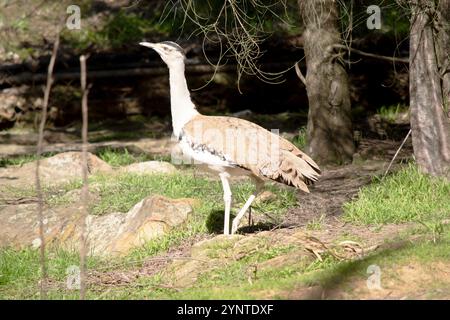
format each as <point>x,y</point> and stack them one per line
<point>182,107</point>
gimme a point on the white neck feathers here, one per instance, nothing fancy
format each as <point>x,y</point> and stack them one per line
<point>182,107</point>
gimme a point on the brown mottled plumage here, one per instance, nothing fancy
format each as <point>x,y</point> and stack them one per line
<point>294,167</point>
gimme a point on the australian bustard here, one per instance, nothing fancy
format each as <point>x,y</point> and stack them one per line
<point>230,146</point>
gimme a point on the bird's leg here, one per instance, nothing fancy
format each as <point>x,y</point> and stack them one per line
<point>227,199</point>
<point>241,213</point>
<point>259,184</point>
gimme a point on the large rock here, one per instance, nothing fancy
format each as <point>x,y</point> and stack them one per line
<point>149,167</point>
<point>59,169</point>
<point>115,233</point>
<point>151,218</point>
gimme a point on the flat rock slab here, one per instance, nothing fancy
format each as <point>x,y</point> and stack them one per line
<point>59,169</point>
<point>112,234</point>
<point>222,250</point>
<point>149,167</point>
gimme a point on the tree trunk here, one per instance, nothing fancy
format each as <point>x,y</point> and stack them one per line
<point>443,39</point>
<point>329,130</point>
<point>429,122</point>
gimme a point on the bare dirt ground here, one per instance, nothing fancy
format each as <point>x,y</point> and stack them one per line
<point>341,184</point>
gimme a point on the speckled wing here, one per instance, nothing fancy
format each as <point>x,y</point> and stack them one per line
<point>242,143</point>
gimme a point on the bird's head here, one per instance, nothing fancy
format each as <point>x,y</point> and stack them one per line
<point>169,51</point>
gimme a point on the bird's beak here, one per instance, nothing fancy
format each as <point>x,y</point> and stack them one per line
<point>154,46</point>
<point>148,44</point>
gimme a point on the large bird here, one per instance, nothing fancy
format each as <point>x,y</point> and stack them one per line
<point>230,146</point>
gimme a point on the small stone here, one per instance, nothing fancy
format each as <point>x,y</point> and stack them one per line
<point>36,243</point>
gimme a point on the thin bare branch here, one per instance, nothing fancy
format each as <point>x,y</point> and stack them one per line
<point>85,190</point>
<point>372,55</point>
<point>396,154</point>
<point>40,197</point>
<point>241,32</point>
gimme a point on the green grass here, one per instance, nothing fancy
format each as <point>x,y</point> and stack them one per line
<point>121,157</point>
<point>121,192</point>
<point>122,135</point>
<point>16,161</point>
<point>390,113</point>
<point>162,244</point>
<point>300,140</point>
<point>404,196</point>
<point>20,270</point>
<point>21,160</point>
<point>53,195</point>
<point>316,223</point>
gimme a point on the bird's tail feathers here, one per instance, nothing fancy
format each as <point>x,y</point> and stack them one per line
<point>297,171</point>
